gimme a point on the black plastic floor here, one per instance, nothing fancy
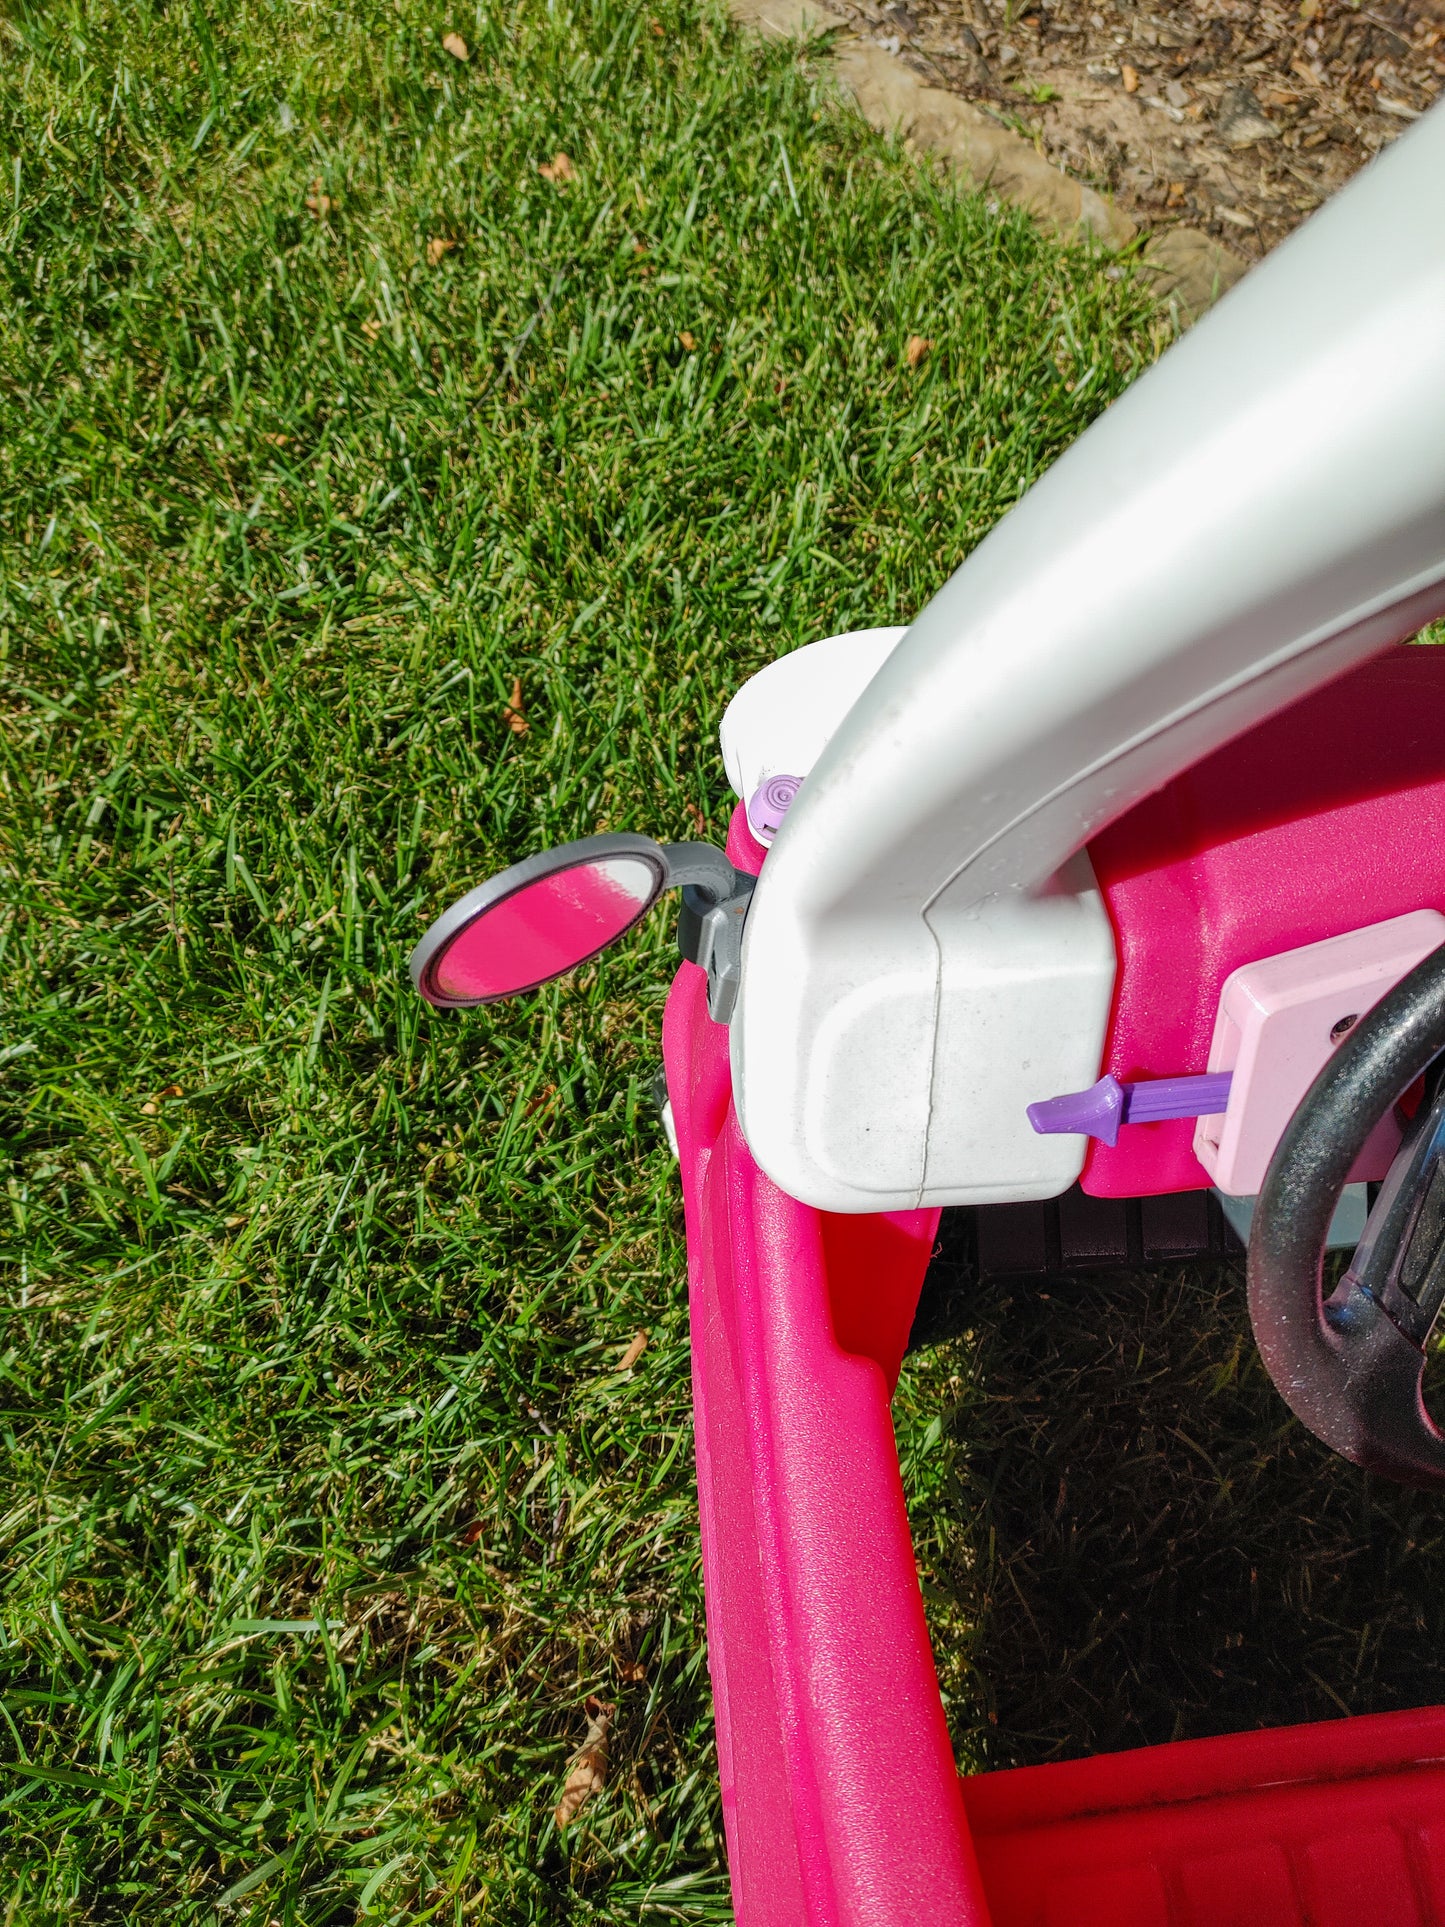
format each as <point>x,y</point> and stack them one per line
<point>1072,1233</point>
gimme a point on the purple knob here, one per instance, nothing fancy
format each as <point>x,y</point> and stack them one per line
<point>769,804</point>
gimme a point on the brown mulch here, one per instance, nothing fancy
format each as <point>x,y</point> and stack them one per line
<point>1222,115</point>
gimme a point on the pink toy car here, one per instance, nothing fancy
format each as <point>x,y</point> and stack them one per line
<point>1119,876</point>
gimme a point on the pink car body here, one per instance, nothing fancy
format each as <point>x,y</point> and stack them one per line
<point>841,1799</point>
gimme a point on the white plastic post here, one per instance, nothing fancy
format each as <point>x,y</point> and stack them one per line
<point>926,953</point>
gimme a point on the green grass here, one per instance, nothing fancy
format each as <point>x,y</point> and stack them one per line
<point>324,1505</point>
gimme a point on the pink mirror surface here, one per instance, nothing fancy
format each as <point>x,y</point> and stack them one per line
<point>545,929</point>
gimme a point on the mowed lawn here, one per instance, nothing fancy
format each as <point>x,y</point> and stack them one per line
<point>335,426</point>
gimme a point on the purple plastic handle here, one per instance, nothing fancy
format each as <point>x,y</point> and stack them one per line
<point>1099,1111</point>
<point>1161,1097</point>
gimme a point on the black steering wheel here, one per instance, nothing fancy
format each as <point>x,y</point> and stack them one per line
<point>1350,1366</point>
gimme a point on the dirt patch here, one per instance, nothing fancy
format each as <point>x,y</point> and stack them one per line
<point>1223,116</point>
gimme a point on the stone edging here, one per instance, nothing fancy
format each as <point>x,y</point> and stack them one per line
<point>1190,269</point>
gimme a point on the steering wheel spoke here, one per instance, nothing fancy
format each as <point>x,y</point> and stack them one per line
<point>1400,1259</point>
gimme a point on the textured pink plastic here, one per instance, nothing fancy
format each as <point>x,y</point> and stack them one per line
<point>1323,818</point>
<point>840,1796</point>
<point>1279,1021</point>
<point>1336,1825</point>
<point>745,851</point>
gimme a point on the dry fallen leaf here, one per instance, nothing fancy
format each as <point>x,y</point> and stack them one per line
<point>1131,78</point>
<point>149,1108</point>
<point>587,1774</point>
<point>687,341</point>
<point>559,170</point>
<point>918,347</point>
<point>632,1671</point>
<point>371,329</point>
<point>656,26</point>
<point>633,1352</point>
<point>512,712</point>
<point>453,44</point>
<point>278,441</point>
<point>438,248</point>
<point>320,204</point>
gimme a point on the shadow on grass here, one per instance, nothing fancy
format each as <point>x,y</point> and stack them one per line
<point>1143,1544</point>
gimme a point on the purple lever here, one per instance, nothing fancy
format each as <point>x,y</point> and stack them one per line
<point>1099,1111</point>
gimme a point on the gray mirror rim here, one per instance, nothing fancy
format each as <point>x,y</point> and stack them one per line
<point>476,903</point>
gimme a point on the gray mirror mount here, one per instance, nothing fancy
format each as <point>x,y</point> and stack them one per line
<point>710,934</point>
<point>715,900</point>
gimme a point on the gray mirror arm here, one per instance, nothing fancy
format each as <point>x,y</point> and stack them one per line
<point>704,866</point>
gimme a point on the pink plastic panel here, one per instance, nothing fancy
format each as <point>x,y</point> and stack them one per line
<point>840,1795</point>
<point>1322,819</point>
<point>745,851</point>
<point>1336,1825</point>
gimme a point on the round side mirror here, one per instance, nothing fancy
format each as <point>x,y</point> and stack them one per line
<point>538,920</point>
